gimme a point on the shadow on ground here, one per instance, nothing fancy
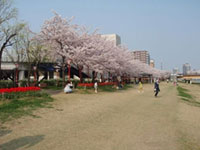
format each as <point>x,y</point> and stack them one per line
<point>4,132</point>
<point>25,142</point>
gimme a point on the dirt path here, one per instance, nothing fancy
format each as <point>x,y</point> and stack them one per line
<point>126,120</point>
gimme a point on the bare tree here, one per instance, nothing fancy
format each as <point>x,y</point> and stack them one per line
<point>7,12</point>
<point>28,50</point>
<point>7,31</point>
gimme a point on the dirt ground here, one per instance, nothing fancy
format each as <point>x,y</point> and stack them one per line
<point>123,120</point>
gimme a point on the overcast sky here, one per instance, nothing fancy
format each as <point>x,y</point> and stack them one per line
<point>168,29</point>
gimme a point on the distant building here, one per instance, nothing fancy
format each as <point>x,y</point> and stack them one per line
<point>113,38</point>
<point>186,68</point>
<point>142,55</point>
<point>152,63</point>
<point>175,71</point>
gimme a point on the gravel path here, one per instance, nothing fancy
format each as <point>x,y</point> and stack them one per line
<point>124,120</point>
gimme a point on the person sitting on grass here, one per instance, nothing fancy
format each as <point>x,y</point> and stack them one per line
<point>68,87</point>
<point>115,86</point>
<point>120,85</point>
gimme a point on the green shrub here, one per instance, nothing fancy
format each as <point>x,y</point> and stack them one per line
<point>53,82</point>
<point>6,84</point>
<point>75,83</point>
<point>50,82</point>
<point>24,83</point>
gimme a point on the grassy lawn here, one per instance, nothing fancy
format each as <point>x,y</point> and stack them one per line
<point>106,88</point>
<point>53,88</point>
<point>184,93</point>
<point>17,108</point>
<point>186,96</point>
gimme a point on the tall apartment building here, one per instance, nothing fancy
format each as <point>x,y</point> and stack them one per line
<point>142,55</point>
<point>175,71</point>
<point>186,68</point>
<point>113,38</point>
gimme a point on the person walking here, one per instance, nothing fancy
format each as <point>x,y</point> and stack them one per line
<point>96,87</point>
<point>156,88</point>
<point>140,90</point>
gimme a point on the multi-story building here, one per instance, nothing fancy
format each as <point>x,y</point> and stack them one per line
<point>175,71</point>
<point>142,55</point>
<point>186,68</point>
<point>113,38</point>
<point>152,63</point>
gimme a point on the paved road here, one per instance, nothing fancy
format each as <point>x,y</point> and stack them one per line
<point>126,120</point>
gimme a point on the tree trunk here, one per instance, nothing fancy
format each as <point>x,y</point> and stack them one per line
<point>88,71</point>
<point>109,77</point>
<point>29,74</point>
<point>93,76</point>
<point>4,45</point>
<point>63,73</point>
<point>0,65</point>
<point>69,71</point>
<point>80,68</point>
<point>16,77</point>
<point>102,79</point>
<point>63,70</point>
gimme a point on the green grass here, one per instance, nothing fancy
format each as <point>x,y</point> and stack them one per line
<point>53,88</point>
<point>187,143</point>
<point>106,88</point>
<point>110,88</point>
<point>24,106</point>
<point>127,86</point>
<point>187,97</point>
<point>184,93</point>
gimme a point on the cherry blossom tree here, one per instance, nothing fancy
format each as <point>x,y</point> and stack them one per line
<point>67,41</point>
<point>61,37</point>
